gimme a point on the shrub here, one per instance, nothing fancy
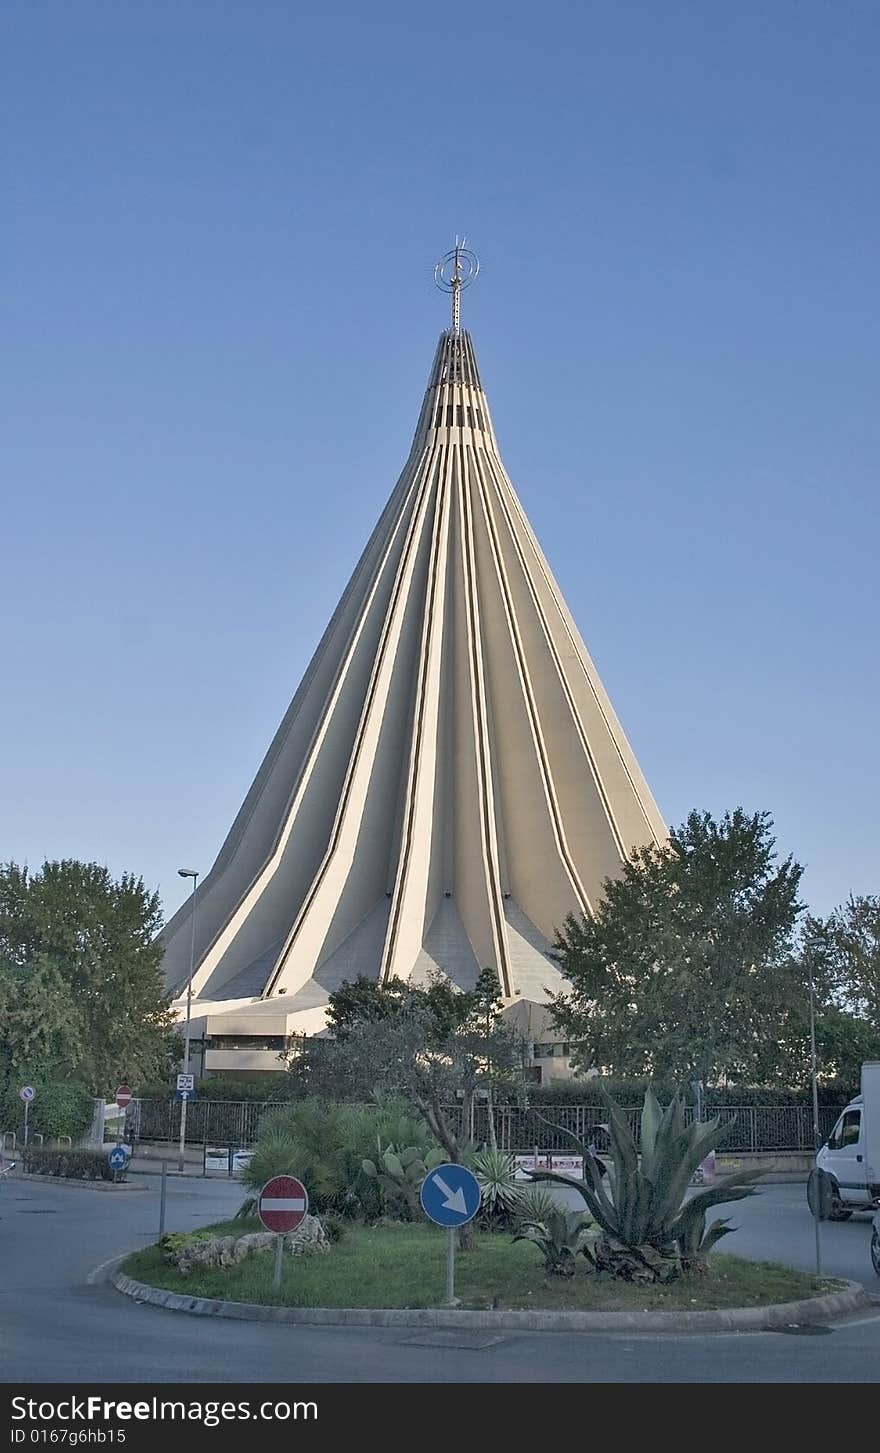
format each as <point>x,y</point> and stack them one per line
<point>398,1171</point>
<point>534,1204</point>
<point>559,1236</point>
<point>632,1092</point>
<point>58,1109</point>
<point>334,1226</point>
<point>325,1144</point>
<point>79,1165</point>
<point>267,1089</point>
<point>651,1229</point>
<point>311,1139</point>
<point>500,1191</point>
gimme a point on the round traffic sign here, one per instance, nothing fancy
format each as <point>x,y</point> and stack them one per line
<point>123,1096</point>
<point>118,1158</point>
<point>26,1093</point>
<point>819,1193</point>
<point>283,1203</point>
<point>450,1195</point>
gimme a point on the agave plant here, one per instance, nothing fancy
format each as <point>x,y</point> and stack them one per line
<point>400,1172</point>
<point>535,1204</point>
<point>560,1236</point>
<point>650,1231</point>
<point>500,1192</point>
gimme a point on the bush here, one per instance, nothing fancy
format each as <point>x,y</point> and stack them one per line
<point>58,1109</point>
<point>334,1226</point>
<point>78,1165</point>
<point>268,1088</point>
<point>632,1092</point>
<point>325,1145</point>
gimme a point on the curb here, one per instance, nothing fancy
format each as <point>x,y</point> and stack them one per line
<point>731,1319</point>
<point>85,1185</point>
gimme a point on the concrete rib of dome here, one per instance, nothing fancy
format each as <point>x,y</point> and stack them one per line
<point>450,779</point>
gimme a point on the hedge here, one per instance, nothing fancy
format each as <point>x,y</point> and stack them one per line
<point>632,1092</point>
<point>57,1110</point>
<point>78,1165</point>
<point>263,1089</point>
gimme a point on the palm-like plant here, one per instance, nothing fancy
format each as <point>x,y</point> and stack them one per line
<point>535,1204</point>
<point>560,1236</point>
<point>651,1231</point>
<point>500,1192</point>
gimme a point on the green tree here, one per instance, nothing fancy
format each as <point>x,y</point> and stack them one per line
<point>42,1029</point>
<point>686,968</point>
<point>436,1046</point>
<point>80,978</point>
<point>846,955</point>
<point>843,1043</point>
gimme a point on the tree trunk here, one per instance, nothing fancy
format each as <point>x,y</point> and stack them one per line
<point>490,1111</point>
<point>439,1127</point>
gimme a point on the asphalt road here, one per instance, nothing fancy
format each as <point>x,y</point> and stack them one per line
<point>57,1325</point>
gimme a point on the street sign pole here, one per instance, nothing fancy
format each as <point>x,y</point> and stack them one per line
<point>162,1199</point>
<point>451,1298</point>
<point>123,1100</point>
<point>26,1094</point>
<point>450,1197</point>
<point>817,1137</point>
<point>279,1253</point>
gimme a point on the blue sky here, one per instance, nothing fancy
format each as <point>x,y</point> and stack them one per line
<point>220,224</point>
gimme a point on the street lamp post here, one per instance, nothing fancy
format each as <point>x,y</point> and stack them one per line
<point>811,945</point>
<point>188,873</point>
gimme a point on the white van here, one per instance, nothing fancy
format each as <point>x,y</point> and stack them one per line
<point>850,1156</point>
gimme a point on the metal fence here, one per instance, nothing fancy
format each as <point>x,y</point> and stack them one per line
<point>517,1127</point>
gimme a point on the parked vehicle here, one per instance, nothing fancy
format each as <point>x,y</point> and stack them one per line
<point>850,1158</point>
<point>875,1244</point>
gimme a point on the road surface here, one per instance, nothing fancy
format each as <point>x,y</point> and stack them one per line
<point>57,1325</point>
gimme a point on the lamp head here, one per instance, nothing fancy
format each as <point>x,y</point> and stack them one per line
<point>188,872</point>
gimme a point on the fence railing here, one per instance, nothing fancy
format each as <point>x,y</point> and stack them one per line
<point>517,1127</point>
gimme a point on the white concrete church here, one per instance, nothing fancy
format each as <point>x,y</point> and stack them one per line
<point>449,781</point>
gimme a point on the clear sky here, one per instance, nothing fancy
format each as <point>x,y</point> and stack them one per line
<point>220,221</point>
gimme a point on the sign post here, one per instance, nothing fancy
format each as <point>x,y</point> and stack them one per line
<point>450,1197</point>
<point>185,1085</point>
<point>283,1204</point>
<point>26,1093</point>
<point>123,1100</point>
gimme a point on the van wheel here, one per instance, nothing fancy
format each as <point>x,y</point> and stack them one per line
<point>875,1251</point>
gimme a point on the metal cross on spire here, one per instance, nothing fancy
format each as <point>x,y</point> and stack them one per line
<point>456,270</point>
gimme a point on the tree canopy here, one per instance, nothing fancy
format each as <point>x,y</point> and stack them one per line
<point>435,1046</point>
<point>686,968</point>
<point>81,993</point>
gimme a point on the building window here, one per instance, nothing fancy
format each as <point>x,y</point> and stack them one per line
<point>246,1041</point>
<point>551,1051</point>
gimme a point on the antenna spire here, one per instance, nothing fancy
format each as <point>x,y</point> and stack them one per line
<point>456,270</point>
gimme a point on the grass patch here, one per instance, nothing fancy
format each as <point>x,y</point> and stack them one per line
<point>405,1267</point>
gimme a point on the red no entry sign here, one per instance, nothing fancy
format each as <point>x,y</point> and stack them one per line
<point>123,1096</point>
<point>283,1203</point>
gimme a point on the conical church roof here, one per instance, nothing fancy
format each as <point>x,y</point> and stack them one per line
<point>450,779</point>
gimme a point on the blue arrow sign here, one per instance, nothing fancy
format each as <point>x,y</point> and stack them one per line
<point>184,1094</point>
<point>450,1195</point>
<point>118,1158</point>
